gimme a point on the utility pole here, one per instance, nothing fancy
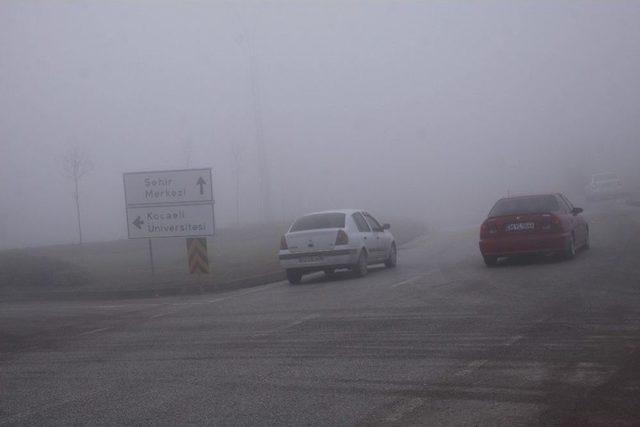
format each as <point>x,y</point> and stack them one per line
<point>263,161</point>
<point>188,151</point>
<point>236,151</point>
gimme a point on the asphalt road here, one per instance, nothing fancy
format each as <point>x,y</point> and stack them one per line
<point>441,340</point>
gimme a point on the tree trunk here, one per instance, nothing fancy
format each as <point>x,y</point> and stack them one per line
<point>237,197</point>
<point>76,196</point>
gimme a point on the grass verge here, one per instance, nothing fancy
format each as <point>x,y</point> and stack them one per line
<point>239,258</point>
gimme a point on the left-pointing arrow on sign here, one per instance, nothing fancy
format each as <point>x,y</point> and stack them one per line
<point>138,222</point>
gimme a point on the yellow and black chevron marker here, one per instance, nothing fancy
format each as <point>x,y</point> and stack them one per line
<point>198,258</point>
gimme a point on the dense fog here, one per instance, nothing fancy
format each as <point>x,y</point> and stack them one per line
<point>428,110</point>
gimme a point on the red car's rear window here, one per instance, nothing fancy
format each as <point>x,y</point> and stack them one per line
<point>524,205</point>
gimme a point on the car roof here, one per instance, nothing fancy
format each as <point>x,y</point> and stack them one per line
<point>522,196</point>
<point>344,211</point>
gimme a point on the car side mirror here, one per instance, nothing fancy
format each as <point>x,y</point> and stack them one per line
<point>577,211</point>
<point>386,227</point>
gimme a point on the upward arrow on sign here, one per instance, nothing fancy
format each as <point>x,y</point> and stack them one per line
<point>201,182</point>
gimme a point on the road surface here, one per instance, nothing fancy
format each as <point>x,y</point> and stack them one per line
<point>441,340</point>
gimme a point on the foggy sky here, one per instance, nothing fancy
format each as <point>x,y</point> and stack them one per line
<point>423,109</point>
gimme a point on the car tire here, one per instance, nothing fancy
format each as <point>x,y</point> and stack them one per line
<point>570,251</point>
<point>490,261</point>
<point>392,260</point>
<point>294,276</point>
<point>360,268</point>
<point>587,241</point>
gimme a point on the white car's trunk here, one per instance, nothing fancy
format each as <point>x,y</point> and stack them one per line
<point>608,185</point>
<point>312,240</point>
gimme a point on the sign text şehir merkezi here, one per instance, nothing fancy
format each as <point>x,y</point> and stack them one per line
<point>160,188</point>
<point>187,186</point>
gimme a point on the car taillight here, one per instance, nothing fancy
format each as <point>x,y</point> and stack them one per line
<point>283,244</point>
<point>342,238</point>
<point>488,229</point>
<point>551,223</point>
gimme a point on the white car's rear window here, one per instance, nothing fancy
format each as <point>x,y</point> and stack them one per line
<point>605,177</point>
<point>319,221</point>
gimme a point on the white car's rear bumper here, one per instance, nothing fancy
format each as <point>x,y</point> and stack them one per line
<point>319,260</point>
<point>605,192</point>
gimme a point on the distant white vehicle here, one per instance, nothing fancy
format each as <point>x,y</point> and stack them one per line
<point>604,185</point>
<point>331,240</point>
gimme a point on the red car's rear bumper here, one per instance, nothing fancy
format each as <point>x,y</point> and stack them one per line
<point>524,244</point>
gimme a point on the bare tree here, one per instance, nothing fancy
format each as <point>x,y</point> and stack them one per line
<point>76,165</point>
<point>237,152</point>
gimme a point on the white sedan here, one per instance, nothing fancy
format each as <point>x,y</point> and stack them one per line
<point>326,241</point>
<point>603,186</point>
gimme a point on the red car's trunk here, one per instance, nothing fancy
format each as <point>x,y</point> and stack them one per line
<point>531,223</point>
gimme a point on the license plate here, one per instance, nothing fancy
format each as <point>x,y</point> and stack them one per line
<point>521,226</point>
<point>315,258</point>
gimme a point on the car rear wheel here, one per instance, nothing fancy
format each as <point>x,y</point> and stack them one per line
<point>587,241</point>
<point>392,261</point>
<point>570,252</point>
<point>360,268</point>
<point>490,261</point>
<point>294,277</point>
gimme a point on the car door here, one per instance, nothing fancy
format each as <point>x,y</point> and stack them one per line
<point>378,236</point>
<point>365,232</point>
<point>578,224</point>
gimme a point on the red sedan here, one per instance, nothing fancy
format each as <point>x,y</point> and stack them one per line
<point>535,224</point>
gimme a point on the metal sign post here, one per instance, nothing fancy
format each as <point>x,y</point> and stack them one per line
<point>173,203</point>
<point>151,263</point>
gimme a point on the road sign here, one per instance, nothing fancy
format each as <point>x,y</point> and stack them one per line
<point>168,187</point>
<point>198,257</point>
<point>175,203</point>
<point>170,221</point>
